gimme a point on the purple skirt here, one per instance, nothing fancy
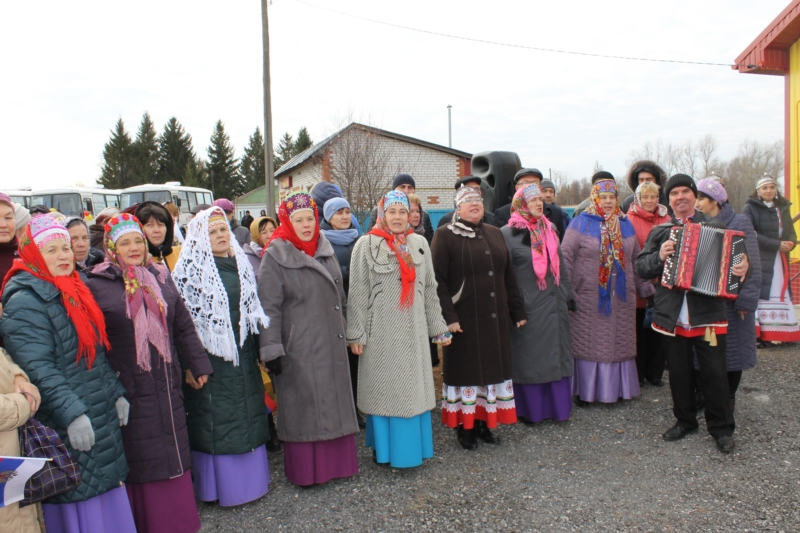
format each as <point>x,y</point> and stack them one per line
<point>540,401</point>
<point>309,463</point>
<point>108,513</point>
<point>605,382</point>
<point>232,479</point>
<point>166,506</point>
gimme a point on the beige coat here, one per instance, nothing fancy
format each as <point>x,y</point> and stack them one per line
<point>14,412</point>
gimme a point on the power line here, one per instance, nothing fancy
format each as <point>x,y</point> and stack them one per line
<point>510,45</point>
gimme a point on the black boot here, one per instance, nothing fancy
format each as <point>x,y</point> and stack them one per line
<point>466,438</point>
<point>273,444</point>
<point>485,434</point>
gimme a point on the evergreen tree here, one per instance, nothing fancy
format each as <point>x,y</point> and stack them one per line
<point>222,166</point>
<point>284,152</point>
<point>145,152</point>
<point>195,174</point>
<point>176,156</point>
<point>303,141</point>
<point>253,167</point>
<point>117,156</point>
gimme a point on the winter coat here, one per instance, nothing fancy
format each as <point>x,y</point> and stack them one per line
<point>595,336</point>
<point>156,439</point>
<point>97,233</point>
<point>344,254</point>
<point>253,257</point>
<point>552,212</point>
<point>741,344</point>
<point>95,257</point>
<point>14,412</point>
<point>534,361</point>
<point>447,218</point>
<point>765,223</point>
<point>304,299</point>
<point>478,289</point>
<point>241,233</point>
<point>703,310</point>
<point>395,377</point>
<point>227,416</point>
<point>42,340</point>
<point>643,221</point>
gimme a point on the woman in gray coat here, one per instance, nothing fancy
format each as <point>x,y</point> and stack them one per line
<point>600,249</point>
<point>740,351</point>
<point>301,291</point>
<point>541,371</point>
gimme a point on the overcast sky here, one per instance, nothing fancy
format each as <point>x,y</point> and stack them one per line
<point>70,69</point>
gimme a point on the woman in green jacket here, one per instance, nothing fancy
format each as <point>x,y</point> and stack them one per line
<point>55,331</point>
<point>227,418</point>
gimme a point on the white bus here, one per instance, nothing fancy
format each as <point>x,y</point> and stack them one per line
<point>186,198</point>
<point>75,201</point>
<point>21,196</point>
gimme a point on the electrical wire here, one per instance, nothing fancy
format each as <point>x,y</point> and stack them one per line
<point>510,45</point>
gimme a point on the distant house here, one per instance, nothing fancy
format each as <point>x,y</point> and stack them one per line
<point>383,154</point>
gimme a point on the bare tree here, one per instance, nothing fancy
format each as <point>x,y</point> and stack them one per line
<point>752,161</point>
<point>706,149</point>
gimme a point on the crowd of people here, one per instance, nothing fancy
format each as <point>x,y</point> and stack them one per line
<point>152,350</point>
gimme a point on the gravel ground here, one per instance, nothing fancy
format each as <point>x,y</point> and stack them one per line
<point>606,469</point>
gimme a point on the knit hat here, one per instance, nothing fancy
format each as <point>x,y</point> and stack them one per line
<point>531,191</point>
<point>122,225</point>
<point>5,199</point>
<point>299,201</point>
<point>713,190</point>
<point>528,172</point>
<point>765,180</point>
<point>547,184</point>
<point>225,204</point>
<point>468,179</point>
<point>45,228</point>
<point>333,205</point>
<point>324,191</point>
<point>602,175</point>
<point>403,179</point>
<point>21,217</point>
<point>680,180</point>
<point>217,218</point>
<point>396,198</point>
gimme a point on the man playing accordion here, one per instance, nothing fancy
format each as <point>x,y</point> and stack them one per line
<point>693,324</point>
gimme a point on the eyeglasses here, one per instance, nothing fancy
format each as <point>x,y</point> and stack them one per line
<point>472,201</point>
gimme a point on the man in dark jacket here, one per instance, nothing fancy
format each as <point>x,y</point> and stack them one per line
<point>406,184</point>
<point>641,172</point>
<point>469,181</point>
<point>523,178</point>
<point>548,189</point>
<point>693,325</point>
<point>247,219</point>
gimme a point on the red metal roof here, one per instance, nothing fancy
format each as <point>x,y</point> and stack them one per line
<point>769,53</point>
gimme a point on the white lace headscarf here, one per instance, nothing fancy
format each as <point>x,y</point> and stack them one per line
<point>198,281</point>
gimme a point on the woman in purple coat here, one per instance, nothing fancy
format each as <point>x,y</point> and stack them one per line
<point>152,336</point>
<point>600,250</point>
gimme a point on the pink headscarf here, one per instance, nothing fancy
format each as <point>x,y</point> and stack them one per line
<point>544,241</point>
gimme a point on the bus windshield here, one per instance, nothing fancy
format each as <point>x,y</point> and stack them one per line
<point>68,204</point>
<point>128,199</point>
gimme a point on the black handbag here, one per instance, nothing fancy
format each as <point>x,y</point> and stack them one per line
<point>59,475</point>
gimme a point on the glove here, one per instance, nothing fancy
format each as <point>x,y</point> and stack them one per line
<point>123,410</point>
<point>81,434</point>
<point>274,367</point>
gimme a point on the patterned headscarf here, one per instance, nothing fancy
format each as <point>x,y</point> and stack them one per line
<point>397,244</point>
<point>611,246</point>
<point>544,241</point>
<point>465,193</point>
<point>77,299</point>
<point>293,203</point>
<point>200,285</point>
<point>144,302</point>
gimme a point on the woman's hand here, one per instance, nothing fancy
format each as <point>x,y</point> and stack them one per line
<point>448,342</point>
<point>455,327</point>
<point>522,323</point>
<point>31,393</point>
<point>356,348</point>
<point>742,314</point>
<point>196,384</point>
<point>742,268</point>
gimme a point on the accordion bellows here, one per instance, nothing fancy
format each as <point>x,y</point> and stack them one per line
<point>703,260</point>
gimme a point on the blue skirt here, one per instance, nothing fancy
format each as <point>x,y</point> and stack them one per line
<point>401,442</point>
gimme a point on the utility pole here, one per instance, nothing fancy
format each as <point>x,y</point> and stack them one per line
<point>270,177</point>
<point>449,127</point>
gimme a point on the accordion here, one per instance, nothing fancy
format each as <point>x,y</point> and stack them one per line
<point>703,260</point>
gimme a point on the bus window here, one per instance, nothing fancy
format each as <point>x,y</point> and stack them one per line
<point>157,196</point>
<point>112,200</point>
<point>68,204</point>
<point>21,200</point>
<point>45,200</point>
<point>99,201</point>
<point>128,199</point>
<point>208,201</point>
<point>192,200</point>
<point>185,202</point>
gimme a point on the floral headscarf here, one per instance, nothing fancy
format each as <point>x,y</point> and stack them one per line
<point>144,302</point>
<point>611,247</point>
<point>293,203</point>
<point>397,244</point>
<point>544,241</point>
<point>77,299</point>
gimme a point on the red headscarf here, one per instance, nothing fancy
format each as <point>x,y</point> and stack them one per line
<point>397,244</point>
<point>296,202</point>
<point>82,309</point>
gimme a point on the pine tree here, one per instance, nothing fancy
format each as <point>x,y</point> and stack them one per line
<point>195,174</point>
<point>176,156</point>
<point>252,168</point>
<point>285,150</point>
<point>117,156</point>
<point>222,166</point>
<point>303,141</point>
<point>145,152</point>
